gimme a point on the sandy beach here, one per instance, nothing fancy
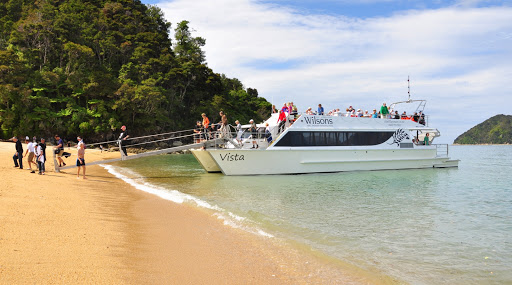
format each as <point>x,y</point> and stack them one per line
<point>57,229</point>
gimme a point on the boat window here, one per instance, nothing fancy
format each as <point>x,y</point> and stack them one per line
<point>305,138</point>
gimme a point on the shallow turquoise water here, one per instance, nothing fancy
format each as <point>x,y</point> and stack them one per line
<point>429,226</point>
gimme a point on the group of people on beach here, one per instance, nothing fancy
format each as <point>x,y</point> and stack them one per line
<point>36,154</point>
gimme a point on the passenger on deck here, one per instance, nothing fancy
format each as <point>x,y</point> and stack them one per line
<point>281,121</point>
<point>426,140</point>
<point>404,116</point>
<point>396,115</point>
<point>197,130</point>
<point>254,131</point>
<point>274,110</point>
<point>415,117</point>
<point>284,108</point>
<point>206,126</point>
<point>239,131</point>
<point>294,109</point>
<point>320,110</point>
<point>366,114</point>
<point>224,128</point>
<point>268,134</point>
<point>384,111</point>
<point>374,113</point>
<point>309,111</point>
<point>422,119</point>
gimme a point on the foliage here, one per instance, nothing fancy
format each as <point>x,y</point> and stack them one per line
<point>495,130</point>
<point>77,67</point>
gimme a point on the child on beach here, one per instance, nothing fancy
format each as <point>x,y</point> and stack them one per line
<point>40,158</point>
<point>80,161</point>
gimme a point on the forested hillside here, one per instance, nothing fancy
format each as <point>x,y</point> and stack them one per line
<point>496,130</point>
<point>87,67</point>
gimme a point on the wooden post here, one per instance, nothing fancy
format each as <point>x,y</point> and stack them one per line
<point>57,168</point>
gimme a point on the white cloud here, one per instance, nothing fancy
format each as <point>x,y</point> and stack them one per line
<point>458,58</point>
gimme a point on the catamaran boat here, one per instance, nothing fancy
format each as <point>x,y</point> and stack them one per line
<point>322,144</point>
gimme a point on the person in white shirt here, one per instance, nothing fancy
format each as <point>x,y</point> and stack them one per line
<point>40,159</point>
<point>239,131</point>
<point>31,154</point>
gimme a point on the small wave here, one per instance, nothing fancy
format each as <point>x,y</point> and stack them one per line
<point>176,196</point>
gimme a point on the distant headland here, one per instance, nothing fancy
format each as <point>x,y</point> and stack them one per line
<point>495,130</point>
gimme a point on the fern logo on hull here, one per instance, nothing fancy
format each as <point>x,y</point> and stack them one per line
<point>399,136</point>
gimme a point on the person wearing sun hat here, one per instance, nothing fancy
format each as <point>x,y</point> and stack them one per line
<point>254,131</point>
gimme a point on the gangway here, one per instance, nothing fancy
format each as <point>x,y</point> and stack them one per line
<point>195,145</point>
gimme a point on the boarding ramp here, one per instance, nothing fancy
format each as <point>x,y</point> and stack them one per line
<point>199,140</point>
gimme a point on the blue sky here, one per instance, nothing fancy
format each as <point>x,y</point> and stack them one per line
<point>458,54</point>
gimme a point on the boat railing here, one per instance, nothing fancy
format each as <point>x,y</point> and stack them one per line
<point>424,121</point>
<point>441,150</point>
<point>236,138</point>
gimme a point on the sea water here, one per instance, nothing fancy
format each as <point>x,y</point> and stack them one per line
<point>426,226</point>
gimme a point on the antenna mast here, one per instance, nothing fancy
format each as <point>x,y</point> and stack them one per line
<point>408,88</point>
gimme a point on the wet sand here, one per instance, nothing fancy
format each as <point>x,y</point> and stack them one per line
<point>59,229</point>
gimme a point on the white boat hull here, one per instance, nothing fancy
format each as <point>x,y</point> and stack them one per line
<point>298,161</point>
<point>206,160</point>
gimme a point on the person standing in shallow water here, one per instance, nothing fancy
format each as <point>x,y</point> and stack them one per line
<point>122,139</point>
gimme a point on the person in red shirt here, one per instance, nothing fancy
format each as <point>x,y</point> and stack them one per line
<point>281,121</point>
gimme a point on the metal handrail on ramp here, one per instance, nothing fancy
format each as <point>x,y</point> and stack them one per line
<point>144,154</point>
